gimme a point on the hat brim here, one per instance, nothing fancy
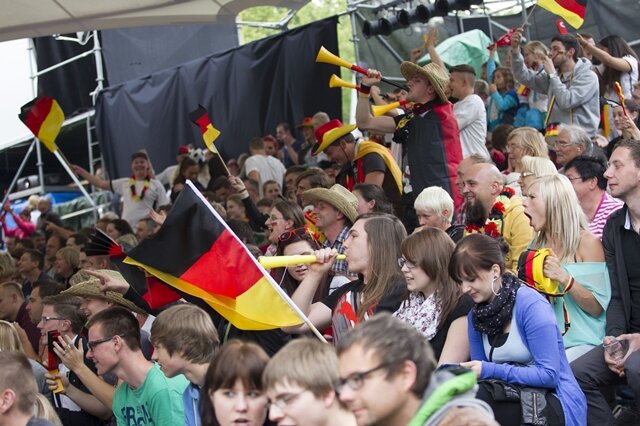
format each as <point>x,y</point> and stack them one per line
<point>90,289</point>
<point>311,196</point>
<point>330,137</point>
<point>410,69</point>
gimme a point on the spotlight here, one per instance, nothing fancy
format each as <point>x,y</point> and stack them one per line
<point>373,28</point>
<point>422,13</point>
<point>399,20</point>
<point>442,7</point>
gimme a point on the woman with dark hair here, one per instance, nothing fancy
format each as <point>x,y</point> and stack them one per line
<point>298,241</point>
<point>232,391</point>
<point>188,169</point>
<point>618,63</point>
<point>516,346</point>
<point>436,305</point>
<point>372,250</point>
<point>371,199</point>
<point>284,216</point>
<point>625,121</point>
<point>118,227</point>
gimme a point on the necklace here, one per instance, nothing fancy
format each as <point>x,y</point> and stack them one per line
<point>132,187</point>
<point>494,223</point>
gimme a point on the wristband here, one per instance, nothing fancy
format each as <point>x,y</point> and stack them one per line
<point>244,194</point>
<point>569,284</point>
<point>364,89</point>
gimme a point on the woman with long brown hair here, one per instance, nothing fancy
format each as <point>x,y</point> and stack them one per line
<point>435,305</point>
<point>372,250</point>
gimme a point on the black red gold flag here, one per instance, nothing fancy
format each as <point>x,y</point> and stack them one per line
<point>44,117</point>
<point>200,117</point>
<point>196,252</point>
<point>572,11</point>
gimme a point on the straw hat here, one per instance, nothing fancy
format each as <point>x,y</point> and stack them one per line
<point>338,196</point>
<point>436,75</point>
<point>328,133</point>
<point>91,288</point>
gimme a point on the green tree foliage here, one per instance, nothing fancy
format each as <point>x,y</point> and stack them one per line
<point>312,11</point>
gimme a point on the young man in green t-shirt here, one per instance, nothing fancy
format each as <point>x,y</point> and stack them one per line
<point>146,396</point>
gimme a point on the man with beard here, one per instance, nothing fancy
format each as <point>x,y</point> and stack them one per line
<point>494,210</point>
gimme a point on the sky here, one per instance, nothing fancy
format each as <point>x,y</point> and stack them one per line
<point>15,89</point>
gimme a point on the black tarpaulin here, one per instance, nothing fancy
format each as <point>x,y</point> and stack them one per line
<point>247,91</point>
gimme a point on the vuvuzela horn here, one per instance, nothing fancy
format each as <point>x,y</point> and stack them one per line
<point>271,262</point>
<point>336,81</point>
<point>378,110</point>
<point>327,57</point>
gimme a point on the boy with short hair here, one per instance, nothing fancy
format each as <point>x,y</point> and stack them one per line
<point>186,341</point>
<point>300,380</point>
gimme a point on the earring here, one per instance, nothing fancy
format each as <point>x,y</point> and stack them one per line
<point>492,284</point>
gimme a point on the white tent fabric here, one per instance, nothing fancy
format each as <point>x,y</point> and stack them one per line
<point>36,18</point>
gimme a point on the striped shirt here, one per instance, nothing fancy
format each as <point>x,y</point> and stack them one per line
<point>607,205</point>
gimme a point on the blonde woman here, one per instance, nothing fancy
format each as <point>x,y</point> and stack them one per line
<point>7,267</point>
<point>576,261</point>
<point>10,341</point>
<point>522,141</point>
<point>534,167</point>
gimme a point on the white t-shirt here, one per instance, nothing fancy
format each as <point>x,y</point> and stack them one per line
<point>133,211</point>
<point>627,79</point>
<point>268,168</point>
<point>472,121</point>
<point>166,176</point>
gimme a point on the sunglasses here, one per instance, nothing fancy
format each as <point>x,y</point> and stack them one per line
<point>291,234</point>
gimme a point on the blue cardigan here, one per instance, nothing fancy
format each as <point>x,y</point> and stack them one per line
<point>537,325</point>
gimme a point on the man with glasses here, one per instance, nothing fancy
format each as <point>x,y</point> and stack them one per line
<point>569,82</point>
<point>571,142</point>
<point>74,405</point>
<point>386,370</point>
<point>299,381</point>
<point>145,396</point>
<point>587,178</point>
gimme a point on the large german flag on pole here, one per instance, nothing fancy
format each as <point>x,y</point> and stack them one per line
<point>572,11</point>
<point>44,117</point>
<point>195,252</point>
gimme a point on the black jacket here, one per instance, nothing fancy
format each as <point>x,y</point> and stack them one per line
<point>619,309</point>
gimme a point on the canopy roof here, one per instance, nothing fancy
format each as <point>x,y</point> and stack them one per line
<point>36,18</point>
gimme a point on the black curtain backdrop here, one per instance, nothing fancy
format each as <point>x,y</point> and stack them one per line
<point>247,91</point>
<point>70,84</point>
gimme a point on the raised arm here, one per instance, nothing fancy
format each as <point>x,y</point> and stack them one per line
<point>364,119</point>
<point>93,179</point>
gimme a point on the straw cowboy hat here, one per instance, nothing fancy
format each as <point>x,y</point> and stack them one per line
<point>91,288</point>
<point>338,196</point>
<point>328,133</point>
<point>436,75</point>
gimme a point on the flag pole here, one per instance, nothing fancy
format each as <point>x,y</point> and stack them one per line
<point>526,20</point>
<point>65,163</point>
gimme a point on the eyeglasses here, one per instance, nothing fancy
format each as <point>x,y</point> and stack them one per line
<point>93,343</point>
<point>288,235</point>
<point>46,319</point>
<point>402,262</point>
<point>576,178</point>
<point>283,401</point>
<point>356,380</point>
<point>527,174</point>
<point>561,144</point>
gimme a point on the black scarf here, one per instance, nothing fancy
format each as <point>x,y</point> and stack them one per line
<point>489,318</point>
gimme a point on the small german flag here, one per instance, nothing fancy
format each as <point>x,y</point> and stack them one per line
<point>195,252</point>
<point>522,90</point>
<point>572,11</point>
<point>200,117</point>
<point>551,130</point>
<point>44,117</point>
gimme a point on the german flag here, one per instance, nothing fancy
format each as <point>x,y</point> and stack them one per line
<point>200,117</point>
<point>195,252</point>
<point>44,117</point>
<point>572,11</point>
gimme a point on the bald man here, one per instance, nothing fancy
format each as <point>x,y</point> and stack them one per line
<point>484,194</point>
